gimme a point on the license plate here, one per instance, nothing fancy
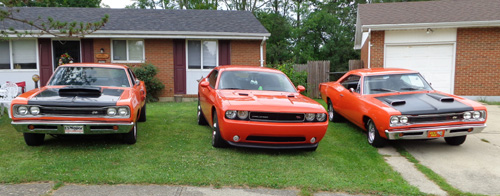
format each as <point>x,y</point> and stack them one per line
<point>73,129</point>
<point>437,133</point>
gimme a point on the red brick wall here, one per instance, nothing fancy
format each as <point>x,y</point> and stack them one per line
<point>364,54</point>
<point>105,44</point>
<point>160,52</point>
<point>377,49</point>
<point>477,67</point>
<point>244,52</point>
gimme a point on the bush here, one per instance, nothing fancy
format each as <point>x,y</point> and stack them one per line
<point>298,78</point>
<point>147,72</point>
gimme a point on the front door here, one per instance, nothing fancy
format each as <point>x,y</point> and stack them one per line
<point>65,52</point>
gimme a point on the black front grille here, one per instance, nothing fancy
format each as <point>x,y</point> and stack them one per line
<point>435,118</point>
<point>73,111</point>
<point>275,139</point>
<point>283,117</point>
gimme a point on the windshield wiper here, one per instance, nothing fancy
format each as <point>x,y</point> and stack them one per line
<point>411,88</point>
<point>232,89</point>
<point>384,89</point>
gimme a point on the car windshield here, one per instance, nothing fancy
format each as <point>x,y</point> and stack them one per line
<point>91,76</point>
<point>394,83</point>
<point>255,80</point>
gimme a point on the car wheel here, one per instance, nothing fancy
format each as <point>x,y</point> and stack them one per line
<point>131,137</point>
<point>142,117</point>
<point>33,139</point>
<point>217,140</point>
<point>455,141</point>
<point>333,116</point>
<point>201,118</point>
<point>373,135</point>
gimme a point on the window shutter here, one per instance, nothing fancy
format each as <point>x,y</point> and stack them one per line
<point>224,52</point>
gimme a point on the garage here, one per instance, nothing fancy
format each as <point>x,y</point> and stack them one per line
<point>435,62</point>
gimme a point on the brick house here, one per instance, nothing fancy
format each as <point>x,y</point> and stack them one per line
<point>454,44</point>
<point>184,44</point>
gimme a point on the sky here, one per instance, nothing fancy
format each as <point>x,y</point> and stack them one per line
<point>117,3</point>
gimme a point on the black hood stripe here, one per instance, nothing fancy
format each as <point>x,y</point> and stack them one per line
<point>51,97</point>
<point>424,103</point>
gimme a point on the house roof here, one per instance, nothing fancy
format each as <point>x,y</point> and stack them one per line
<point>427,14</point>
<point>149,22</point>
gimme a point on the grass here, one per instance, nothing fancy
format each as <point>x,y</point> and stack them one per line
<point>172,149</point>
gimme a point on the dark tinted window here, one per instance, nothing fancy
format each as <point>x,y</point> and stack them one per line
<point>212,79</point>
<point>351,81</point>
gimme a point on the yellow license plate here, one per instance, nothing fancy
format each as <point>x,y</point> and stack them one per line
<point>434,134</point>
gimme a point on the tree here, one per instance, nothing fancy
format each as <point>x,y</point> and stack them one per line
<point>56,3</point>
<point>175,4</point>
<point>278,46</point>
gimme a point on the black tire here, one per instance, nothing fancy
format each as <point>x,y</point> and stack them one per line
<point>373,135</point>
<point>455,141</point>
<point>142,116</point>
<point>201,118</point>
<point>217,140</point>
<point>131,137</point>
<point>333,116</point>
<point>33,139</point>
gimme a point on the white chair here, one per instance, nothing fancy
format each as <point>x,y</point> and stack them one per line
<point>8,91</point>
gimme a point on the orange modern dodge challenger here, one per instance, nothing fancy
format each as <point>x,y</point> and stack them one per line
<point>260,108</point>
<point>82,99</point>
<point>398,104</point>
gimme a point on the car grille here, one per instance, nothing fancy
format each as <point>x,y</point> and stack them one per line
<point>277,117</point>
<point>73,111</point>
<point>450,117</point>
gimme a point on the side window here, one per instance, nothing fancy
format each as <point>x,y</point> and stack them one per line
<point>351,81</point>
<point>132,76</point>
<point>212,79</point>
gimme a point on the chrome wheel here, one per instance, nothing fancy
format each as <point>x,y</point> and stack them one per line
<point>371,132</point>
<point>214,133</point>
<point>330,112</point>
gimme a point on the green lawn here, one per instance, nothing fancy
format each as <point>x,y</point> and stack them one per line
<point>173,149</point>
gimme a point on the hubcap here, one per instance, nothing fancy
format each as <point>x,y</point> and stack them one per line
<point>214,133</point>
<point>330,112</point>
<point>371,132</point>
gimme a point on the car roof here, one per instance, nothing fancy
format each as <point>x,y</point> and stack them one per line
<point>245,68</point>
<point>380,71</point>
<point>102,65</point>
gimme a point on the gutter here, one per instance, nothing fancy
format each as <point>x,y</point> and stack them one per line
<point>262,51</point>
<point>379,27</point>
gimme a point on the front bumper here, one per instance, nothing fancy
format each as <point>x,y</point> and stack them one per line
<point>423,132</point>
<point>57,127</point>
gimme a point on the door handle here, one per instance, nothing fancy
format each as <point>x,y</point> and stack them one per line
<point>341,95</point>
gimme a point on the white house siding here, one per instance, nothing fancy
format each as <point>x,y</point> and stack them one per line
<point>191,80</point>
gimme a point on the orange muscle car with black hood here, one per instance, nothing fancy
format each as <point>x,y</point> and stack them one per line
<point>82,99</point>
<point>259,107</point>
<point>399,104</point>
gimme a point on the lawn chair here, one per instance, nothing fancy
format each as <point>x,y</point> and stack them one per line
<point>8,91</point>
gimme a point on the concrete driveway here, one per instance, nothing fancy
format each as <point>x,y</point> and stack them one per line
<point>472,167</point>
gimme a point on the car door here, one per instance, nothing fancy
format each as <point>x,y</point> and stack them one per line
<point>349,95</point>
<point>138,89</point>
<point>207,95</point>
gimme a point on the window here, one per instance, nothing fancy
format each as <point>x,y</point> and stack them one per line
<point>351,81</point>
<point>212,79</point>
<point>128,50</point>
<point>18,54</point>
<point>90,76</point>
<point>255,80</point>
<point>395,83</point>
<point>201,54</point>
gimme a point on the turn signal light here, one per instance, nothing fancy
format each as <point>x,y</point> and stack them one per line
<point>31,127</point>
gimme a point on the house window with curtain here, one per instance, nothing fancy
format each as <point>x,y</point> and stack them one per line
<point>18,55</point>
<point>201,54</point>
<point>128,50</point>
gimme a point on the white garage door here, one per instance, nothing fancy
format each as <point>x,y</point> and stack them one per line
<point>434,62</point>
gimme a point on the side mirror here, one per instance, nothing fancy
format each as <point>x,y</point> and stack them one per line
<point>137,82</point>
<point>301,88</point>
<point>351,90</point>
<point>204,84</point>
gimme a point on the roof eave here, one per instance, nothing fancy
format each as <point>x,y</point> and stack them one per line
<point>464,24</point>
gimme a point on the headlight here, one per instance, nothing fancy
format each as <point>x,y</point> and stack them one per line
<point>242,115</point>
<point>310,116</point>
<point>111,111</point>
<point>122,111</point>
<point>23,110</point>
<point>394,120</point>
<point>35,110</point>
<point>231,114</point>
<point>476,114</point>
<point>467,115</point>
<point>403,119</point>
<point>320,117</point>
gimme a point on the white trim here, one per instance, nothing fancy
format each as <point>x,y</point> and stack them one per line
<point>127,52</point>
<point>379,27</point>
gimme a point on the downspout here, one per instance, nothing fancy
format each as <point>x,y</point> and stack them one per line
<point>369,47</point>
<point>262,51</point>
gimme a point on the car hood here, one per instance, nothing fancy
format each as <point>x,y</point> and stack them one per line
<point>76,96</point>
<point>424,103</point>
<point>269,101</point>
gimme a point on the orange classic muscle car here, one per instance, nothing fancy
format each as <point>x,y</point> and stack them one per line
<point>82,99</point>
<point>259,107</point>
<point>399,104</point>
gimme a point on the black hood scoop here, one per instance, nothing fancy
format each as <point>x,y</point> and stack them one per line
<point>441,98</point>
<point>394,102</point>
<point>80,91</point>
<point>424,103</point>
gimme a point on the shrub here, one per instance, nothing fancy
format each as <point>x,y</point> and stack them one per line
<point>297,77</point>
<point>147,72</point>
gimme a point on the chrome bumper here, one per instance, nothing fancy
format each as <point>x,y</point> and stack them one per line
<point>422,133</point>
<point>57,127</point>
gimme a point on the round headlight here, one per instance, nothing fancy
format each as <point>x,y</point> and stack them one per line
<point>476,114</point>
<point>394,120</point>
<point>122,111</point>
<point>23,110</point>
<point>403,119</point>
<point>242,114</point>
<point>320,117</point>
<point>310,116</point>
<point>467,115</point>
<point>231,114</point>
<point>111,111</point>
<point>35,110</point>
